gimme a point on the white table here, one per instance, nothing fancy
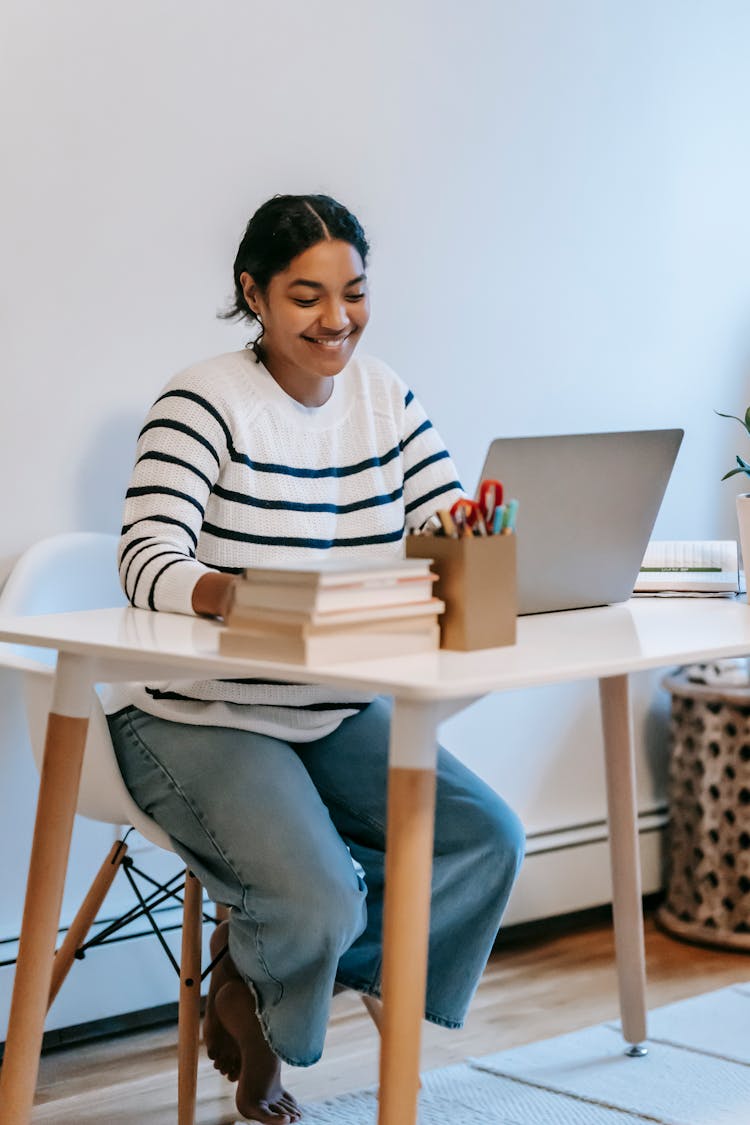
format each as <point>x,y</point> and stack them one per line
<point>125,644</point>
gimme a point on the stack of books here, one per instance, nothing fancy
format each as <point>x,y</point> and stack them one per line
<point>689,568</point>
<point>336,610</point>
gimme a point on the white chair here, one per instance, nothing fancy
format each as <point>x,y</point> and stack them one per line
<point>79,571</point>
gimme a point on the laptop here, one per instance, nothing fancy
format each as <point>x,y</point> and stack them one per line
<point>587,506</point>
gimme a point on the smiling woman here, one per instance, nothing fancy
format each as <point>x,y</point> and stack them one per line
<point>303,253</point>
<point>312,314</point>
<point>274,793</point>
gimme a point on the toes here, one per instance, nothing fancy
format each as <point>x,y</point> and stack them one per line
<point>278,1115</point>
<point>229,1067</point>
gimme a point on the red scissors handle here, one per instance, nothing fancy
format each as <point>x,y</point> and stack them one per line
<point>490,497</point>
<point>467,515</point>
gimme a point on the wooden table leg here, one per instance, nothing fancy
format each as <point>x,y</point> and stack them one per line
<point>627,906</point>
<point>189,1011</point>
<point>408,873</point>
<point>58,791</point>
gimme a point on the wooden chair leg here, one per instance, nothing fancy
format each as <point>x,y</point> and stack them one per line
<point>374,1010</point>
<point>84,919</point>
<point>188,1023</point>
<point>221,911</point>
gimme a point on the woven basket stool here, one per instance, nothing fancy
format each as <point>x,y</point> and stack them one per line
<point>708,884</point>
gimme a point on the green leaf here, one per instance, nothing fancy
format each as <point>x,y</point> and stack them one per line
<point>747,419</point>
<point>732,473</point>
<point>744,467</point>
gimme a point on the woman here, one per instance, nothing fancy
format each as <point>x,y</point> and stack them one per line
<point>274,794</point>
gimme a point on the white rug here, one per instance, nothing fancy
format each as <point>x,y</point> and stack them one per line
<point>697,1072</point>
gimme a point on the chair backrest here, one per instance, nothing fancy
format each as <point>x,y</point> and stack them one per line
<point>77,570</point>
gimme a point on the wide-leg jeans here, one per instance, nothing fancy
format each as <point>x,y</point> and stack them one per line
<point>291,836</point>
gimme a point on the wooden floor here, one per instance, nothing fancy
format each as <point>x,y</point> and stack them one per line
<point>541,985</point>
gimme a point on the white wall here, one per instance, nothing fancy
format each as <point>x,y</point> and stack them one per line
<point>557,197</point>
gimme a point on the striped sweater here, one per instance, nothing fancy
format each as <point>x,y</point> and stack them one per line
<point>231,472</point>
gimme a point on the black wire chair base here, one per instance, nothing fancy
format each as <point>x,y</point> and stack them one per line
<point>150,898</point>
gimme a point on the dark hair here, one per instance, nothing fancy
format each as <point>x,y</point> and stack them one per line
<point>282,228</point>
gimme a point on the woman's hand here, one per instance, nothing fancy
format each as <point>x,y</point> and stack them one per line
<point>213,594</point>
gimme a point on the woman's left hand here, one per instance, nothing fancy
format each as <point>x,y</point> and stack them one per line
<point>213,594</point>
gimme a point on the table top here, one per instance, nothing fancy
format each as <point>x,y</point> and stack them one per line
<point>552,647</point>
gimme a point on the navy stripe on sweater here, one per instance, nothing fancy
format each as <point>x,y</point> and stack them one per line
<point>158,519</point>
<point>439,456</point>
<point>146,543</point>
<point>299,506</point>
<point>153,558</point>
<point>155,455</point>
<point>297,541</point>
<point>159,490</point>
<point>152,591</point>
<point>265,466</point>
<point>426,425</point>
<point>180,427</point>
<point>443,488</point>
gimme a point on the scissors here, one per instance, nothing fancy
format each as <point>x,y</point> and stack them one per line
<point>490,497</point>
<point>467,516</point>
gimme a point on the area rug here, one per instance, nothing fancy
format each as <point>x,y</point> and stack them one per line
<point>697,1072</point>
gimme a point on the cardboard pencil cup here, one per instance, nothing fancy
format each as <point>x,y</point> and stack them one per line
<point>477,582</point>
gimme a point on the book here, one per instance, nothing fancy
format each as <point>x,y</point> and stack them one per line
<point>689,566</point>
<point>254,618</point>
<point>334,587</point>
<point>337,571</point>
<point>309,599</point>
<point>400,636</point>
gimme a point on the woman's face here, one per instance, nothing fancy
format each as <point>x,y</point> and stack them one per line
<point>313,312</point>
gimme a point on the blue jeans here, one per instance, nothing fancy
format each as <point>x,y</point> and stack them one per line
<point>292,837</point>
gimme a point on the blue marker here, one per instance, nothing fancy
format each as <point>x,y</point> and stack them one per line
<point>509,519</point>
<point>497,519</point>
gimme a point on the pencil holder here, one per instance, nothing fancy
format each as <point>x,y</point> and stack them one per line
<point>477,582</point>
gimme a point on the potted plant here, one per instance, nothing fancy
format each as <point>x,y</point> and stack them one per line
<point>743,498</point>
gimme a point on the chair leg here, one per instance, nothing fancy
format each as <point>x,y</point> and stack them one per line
<point>84,919</point>
<point>374,1010</point>
<point>190,999</point>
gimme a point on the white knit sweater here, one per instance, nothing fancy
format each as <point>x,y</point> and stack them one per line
<point>231,471</point>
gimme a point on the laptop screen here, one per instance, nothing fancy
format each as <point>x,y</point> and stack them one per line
<point>587,507</point>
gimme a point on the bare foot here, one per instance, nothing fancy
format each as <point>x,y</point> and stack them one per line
<point>220,1046</point>
<point>260,1095</point>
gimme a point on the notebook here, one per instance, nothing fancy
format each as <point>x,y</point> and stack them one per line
<point>587,506</point>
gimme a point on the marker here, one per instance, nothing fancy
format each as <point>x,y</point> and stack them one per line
<point>509,519</point>
<point>497,520</point>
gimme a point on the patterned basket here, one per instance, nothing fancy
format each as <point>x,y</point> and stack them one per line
<point>708,886</point>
